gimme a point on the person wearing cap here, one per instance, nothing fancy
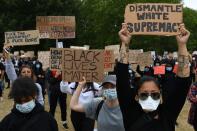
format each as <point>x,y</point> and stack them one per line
<point>146,108</point>
<point>106,111</point>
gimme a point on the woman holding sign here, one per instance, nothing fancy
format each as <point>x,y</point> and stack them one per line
<point>25,71</point>
<point>143,108</point>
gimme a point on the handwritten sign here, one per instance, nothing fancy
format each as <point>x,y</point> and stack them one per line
<point>153,18</point>
<point>133,56</point>
<point>137,57</point>
<point>144,59</point>
<point>115,48</point>
<point>29,54</point>
<point>109,61</point>
<point>79,63</point>
<point>159,70</point>
<point>56,27</point>
<point>175,69</point>
<point>44,58</point>
<point>55,58</point>
<point>20,38</point>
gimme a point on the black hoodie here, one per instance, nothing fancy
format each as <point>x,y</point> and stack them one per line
<point>36,120</point>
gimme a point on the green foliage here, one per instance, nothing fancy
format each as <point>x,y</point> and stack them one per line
<point>97,21</point>
<point>190,20</point>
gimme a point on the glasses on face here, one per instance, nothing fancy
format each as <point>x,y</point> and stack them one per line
<point>145,95</point>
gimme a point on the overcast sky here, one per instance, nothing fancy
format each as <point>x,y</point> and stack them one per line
<point>191,4</point>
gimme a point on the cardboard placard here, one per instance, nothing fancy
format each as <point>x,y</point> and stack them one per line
<point>144,59</point>
<point>153,18</point>
<point>133,56</point>
<point>115,48</point>
<point>20,38</point>
<point>16,53</point>
<point>109,61</point>
<point>22,52</point>
<point>159,70</point>
<point>80,47</point>
<point>56,27</point>
<point>175,69</point>
<point>56,58</point>
<point>79,63</point>
<point>29,54</point>
<point>44,58</point>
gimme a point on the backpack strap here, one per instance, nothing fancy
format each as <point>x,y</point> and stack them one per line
<point>99,108</point>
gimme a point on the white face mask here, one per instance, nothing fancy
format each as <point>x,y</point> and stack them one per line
<point>149,104</point>
<point>26,107</point>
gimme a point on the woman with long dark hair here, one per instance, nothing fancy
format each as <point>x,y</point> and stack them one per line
<point>24,71</point>
<point>146,107</point>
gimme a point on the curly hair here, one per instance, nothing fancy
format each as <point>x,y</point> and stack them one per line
<point>23,87</point>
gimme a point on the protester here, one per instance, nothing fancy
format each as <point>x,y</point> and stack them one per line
<point>107,112</point>
<point>148,71</point>
<point>192,96</point>
<point>25,71</point>
<point>57,96</point>
<point>193,69</point>
<point>27,114</point>
<point>89,92</point>
<point>143,108</point>
<point>40,75</point>
<point>2,74</point>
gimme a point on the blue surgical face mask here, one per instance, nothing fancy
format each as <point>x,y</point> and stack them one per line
<point>168,68</point>
<point>146,69</point>
<point>37,65</point>
<point>110,94</point>
<point>26,107</point>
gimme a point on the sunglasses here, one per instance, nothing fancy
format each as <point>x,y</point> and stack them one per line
<point>145,95</point>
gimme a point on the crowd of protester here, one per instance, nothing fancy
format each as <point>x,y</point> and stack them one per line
<point>126,100</point>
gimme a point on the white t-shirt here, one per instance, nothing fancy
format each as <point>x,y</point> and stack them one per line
<point>85,96</point>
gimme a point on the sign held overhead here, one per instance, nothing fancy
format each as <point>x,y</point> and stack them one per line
<point>56,27</point>
<point>20,38</point>
<point>153,18</point>
<point>79,63</point>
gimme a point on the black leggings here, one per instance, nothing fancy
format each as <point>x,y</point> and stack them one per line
<point>81,122</point>
<point>57,95</point>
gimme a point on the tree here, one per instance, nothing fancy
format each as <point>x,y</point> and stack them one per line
<point>97,22</point>
<point>19,15</point>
